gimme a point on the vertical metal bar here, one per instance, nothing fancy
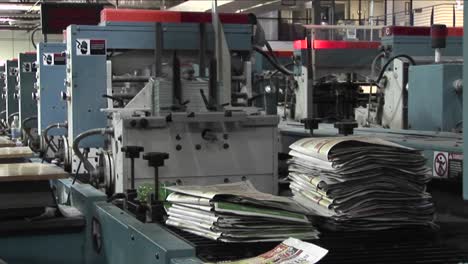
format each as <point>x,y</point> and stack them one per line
<point>432,16</point>
<point>158,47</point>
<point>349,10</point>
<point>411,14</point>
<point>385,12</point>
<point>310,79</point>
<point>202,54</point>
<point>465,102</point>
<point>393,13</point>
<point>454,18</point>
<point>332,13</point>
<point>176,82</point>
<point>316,7</point>
<point>360,12</point>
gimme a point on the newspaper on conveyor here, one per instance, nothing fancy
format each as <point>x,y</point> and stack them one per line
<point>290,251</point>
<point>237,212</point>
<point>361,183</point>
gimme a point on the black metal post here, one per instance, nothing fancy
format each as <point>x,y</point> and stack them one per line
<point>132,173</point>
<point>411,14</point>
<point>158,43</point>
<point>201,59</point>
<point>360,12</point>
<point>385,12</point>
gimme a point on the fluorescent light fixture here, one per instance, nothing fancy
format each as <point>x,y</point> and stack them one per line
<point>198,5</point>
<point>258,5</point>
<point>15,7</point>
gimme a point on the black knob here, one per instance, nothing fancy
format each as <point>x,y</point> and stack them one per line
<point>132,152</point>
<point>346,127</point>
<point>155,159</point>
<point>311,123</point>
<point>64,96</point>
<point>144,123</point>
<point>35,96</point>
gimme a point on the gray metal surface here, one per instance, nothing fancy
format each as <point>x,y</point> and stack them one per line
<point>87,77</point>
<point>234,148</point>
<point>433,103</point>
<point>10,84</point>
<point>27,78</point>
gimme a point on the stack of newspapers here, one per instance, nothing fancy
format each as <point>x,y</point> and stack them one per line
<point>361,183</point>
<point>237,212</point>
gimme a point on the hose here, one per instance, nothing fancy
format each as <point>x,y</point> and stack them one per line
<point>382,71</point>
<point>23,125</point>
<point>374,62</point>
<point>46,131</point>
<point>76,142</point>
<point>32,37</point>
<point>279,67</point>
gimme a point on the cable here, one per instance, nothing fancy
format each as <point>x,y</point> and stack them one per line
<point>374,62</point>
<point>32,37</point>
<point>23,125</point>
<point>279,67</point>
<point>76,142</point>
<point>382,71</point>
<point>46,131</point>
<point>286,65</point>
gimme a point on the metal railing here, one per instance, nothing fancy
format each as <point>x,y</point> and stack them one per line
<point>449,14</point>
<point>345,32</point>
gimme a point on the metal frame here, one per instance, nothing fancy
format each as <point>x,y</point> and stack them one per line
<point>27,78</point>
<point>50,84</point>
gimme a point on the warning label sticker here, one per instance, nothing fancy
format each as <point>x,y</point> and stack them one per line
<point>447,165</point>
<point>50,59</point>
<point>87,47</point>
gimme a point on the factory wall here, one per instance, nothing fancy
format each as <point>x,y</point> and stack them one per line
<point>14,41</point>
<point>443,12</point>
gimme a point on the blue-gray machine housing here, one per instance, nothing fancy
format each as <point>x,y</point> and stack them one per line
<point>11,71</point>
<point>87,76</point>
<point>434,104</point>
<point>27,69</point>
<point>50,83</point>
<point>2,87</point>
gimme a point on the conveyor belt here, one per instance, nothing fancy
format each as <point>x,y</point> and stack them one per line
<point>448,245</point>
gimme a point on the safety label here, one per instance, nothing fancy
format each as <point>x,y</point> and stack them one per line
<point>50,59</point>
<point>87,47</point>
<point>447,165</point>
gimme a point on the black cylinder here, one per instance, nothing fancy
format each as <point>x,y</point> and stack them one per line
<point>439,36</point>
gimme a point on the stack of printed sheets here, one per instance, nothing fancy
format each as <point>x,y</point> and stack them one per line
<point>237,212</point>
<point>361,183</point>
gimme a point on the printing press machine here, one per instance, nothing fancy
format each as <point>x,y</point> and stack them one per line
<point>146,133</point>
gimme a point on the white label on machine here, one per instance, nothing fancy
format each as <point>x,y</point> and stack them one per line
<point>48,59</point>
<point>447,165</point>
<point>440,164</point>
<point>82,47</point>
<point>87,47</point>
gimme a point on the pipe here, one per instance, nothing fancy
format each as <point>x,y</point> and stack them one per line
<point>46,131</point>
<point>130,78</point>
<point>382,71</point>
<point>76,142</point>
<point>281,68</point>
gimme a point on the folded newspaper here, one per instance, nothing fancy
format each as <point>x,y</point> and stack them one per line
<point>290,251</point>
<point>361,183</point>
<point>237,212</point>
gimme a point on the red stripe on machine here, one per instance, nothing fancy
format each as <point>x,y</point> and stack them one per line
<point>136,15</point>
<point>337,44</point>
